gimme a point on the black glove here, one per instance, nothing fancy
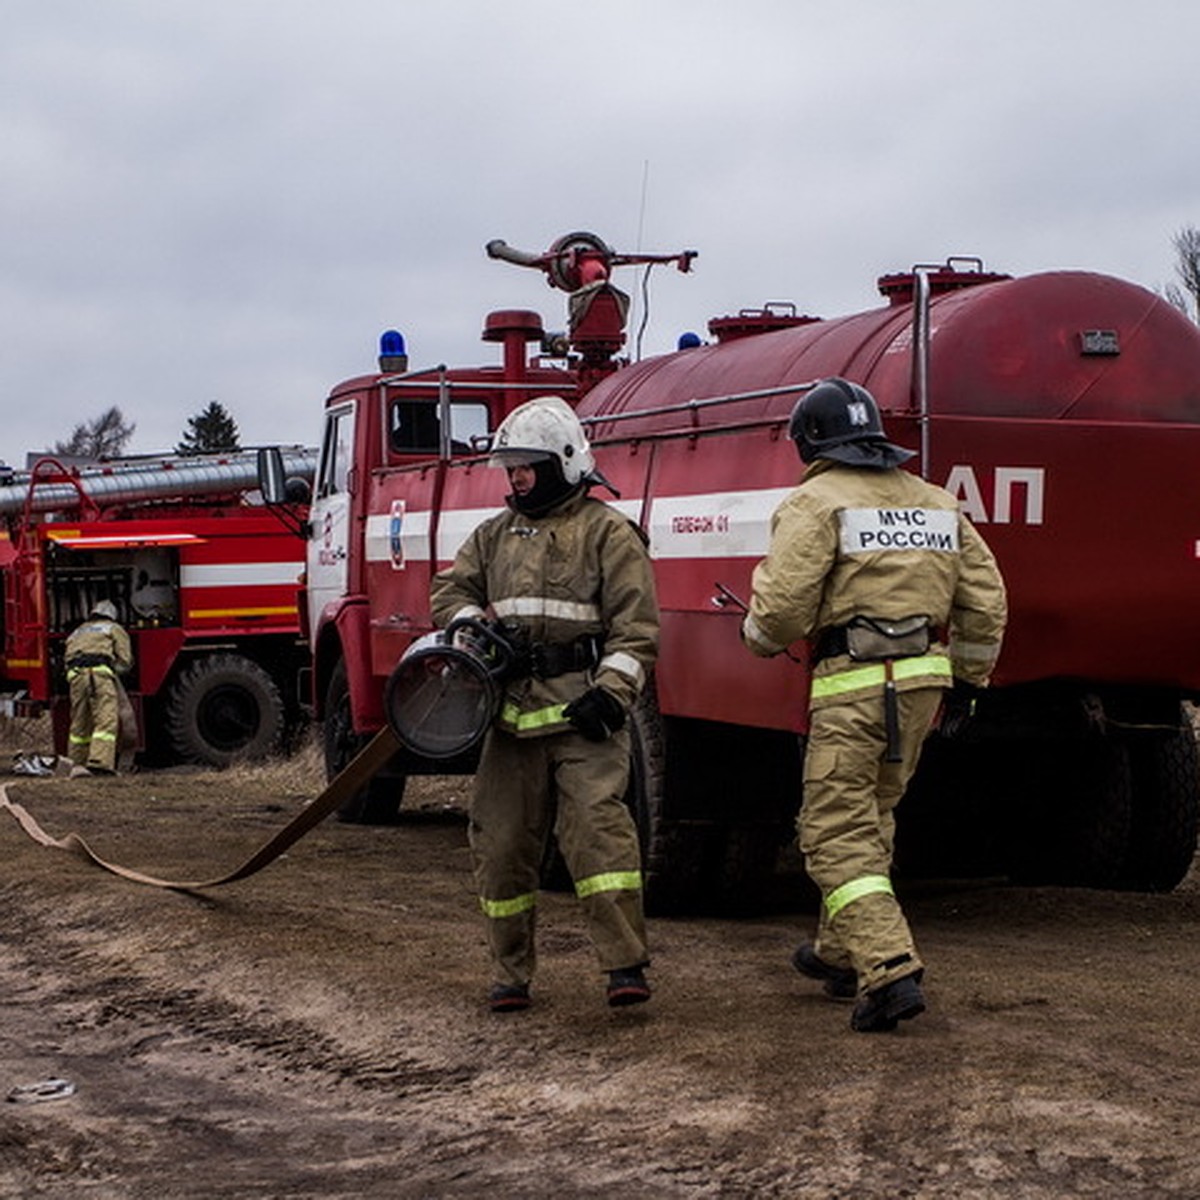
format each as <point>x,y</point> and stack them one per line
<point>596,714</point>
<point>958,708</point>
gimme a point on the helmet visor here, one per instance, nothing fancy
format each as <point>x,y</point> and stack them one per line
<point>518,456</point>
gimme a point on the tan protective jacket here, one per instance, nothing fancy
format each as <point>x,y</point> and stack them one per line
<point>852,541</point>
<point>581,569</point>
<point>98,638</point>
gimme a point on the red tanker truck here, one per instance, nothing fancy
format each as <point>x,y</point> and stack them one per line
<point>1062,409</point>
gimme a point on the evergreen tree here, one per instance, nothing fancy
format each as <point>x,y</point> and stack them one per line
<point>212,431</point>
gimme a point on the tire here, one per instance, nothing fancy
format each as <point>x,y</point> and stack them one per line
<point>224,709</point>
<point>379,802</point>
<point>946,823</point>
<point>688,866</point>
<point>1072,809</point>
<point>1166,802</point>
<point>674,853</point>
<point>681,866</point>
<point>718,813</point>
<point>747,866</point>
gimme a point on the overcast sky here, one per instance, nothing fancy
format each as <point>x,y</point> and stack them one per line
<point>230,200</point>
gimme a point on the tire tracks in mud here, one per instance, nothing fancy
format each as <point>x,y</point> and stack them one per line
<point>93,991</point>
<point>322,1033</point>
<point>172,1077</point>
<point>171,1083</point>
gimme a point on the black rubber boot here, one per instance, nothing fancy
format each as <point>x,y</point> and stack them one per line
<point>882,1010</point>
<point>509,997</point>
<point>627,987</point>
<point>840,982</point>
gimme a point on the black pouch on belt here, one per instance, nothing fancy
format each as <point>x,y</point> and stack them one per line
<point>875,639</point>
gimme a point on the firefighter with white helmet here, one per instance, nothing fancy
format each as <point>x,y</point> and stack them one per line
<point>97,651</point>
<point>900,599</point>
<point>569,580</point>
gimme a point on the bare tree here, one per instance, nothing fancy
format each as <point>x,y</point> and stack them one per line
<point>104,437</point>
<point>1176,297</point>
<point>1187,266</point>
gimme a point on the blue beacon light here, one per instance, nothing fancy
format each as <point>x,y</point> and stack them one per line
<point>393,354</point>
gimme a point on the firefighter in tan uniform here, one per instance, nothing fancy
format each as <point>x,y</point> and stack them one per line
<point>568,578</point>
<point>878,570</point>
<point>95,654</point>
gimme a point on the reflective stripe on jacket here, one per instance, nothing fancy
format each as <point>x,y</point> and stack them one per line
<point>852,541</point>
<point>581,569</point>
<point>100,639</point>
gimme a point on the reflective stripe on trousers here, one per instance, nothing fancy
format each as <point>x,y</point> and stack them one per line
<point>609,881</point>
<point>498,909</point>
<point>855,889</point>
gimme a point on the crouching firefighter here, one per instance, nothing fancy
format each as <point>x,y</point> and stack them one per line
<point>878,570</point>
<point>568,578</point>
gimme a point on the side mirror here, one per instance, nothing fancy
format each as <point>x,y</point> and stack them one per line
<point>271,479</point>
<point>283,496</point>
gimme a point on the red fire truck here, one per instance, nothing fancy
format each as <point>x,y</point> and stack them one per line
<point>204,581</point>
<point>1063,409</point>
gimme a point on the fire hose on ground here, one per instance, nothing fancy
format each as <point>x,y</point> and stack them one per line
<point>440,699</point>
<point>356,775</point>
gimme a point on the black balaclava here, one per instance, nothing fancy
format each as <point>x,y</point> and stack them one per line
<point>550,488</point>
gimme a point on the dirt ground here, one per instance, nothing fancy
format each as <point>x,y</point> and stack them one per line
<point>319,1029</point>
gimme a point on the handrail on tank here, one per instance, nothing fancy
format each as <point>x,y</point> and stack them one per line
<point>692,406</point>
<point>443,403</point>
<point>920,378</point>
<point>55,473</point>
<point>691,431</point>
<point>463,385</point>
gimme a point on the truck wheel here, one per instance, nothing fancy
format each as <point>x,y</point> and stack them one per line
<point>379,802</point>
<point>747,872</point>
<point>673,853</point>
<point>747,867</point>
<point>1073,823</point>
<point>223,709</point>
<point>1166,801</point>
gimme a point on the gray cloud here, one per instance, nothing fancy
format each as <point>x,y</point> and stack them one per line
<point>230,202</point>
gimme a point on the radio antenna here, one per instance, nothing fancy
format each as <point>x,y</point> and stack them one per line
<point>645,297</point>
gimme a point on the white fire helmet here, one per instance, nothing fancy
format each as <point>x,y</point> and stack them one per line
<point>541,427</point>
<point>104,608</point>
